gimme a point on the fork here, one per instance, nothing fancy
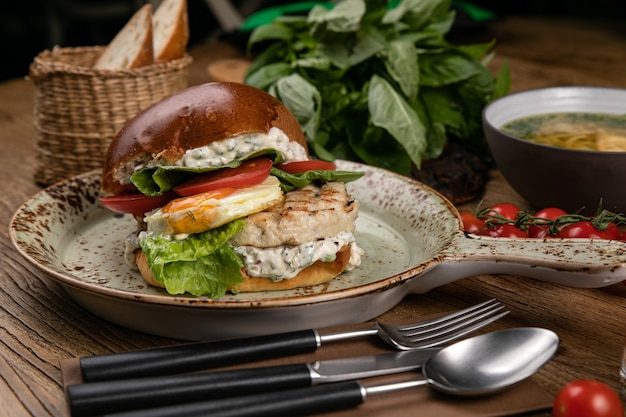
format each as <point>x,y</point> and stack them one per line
<point>204,355</point>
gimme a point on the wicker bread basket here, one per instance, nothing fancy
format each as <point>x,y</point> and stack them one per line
<point>78,109</point>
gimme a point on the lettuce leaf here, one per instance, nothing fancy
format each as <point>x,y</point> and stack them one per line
<point>201,264</point>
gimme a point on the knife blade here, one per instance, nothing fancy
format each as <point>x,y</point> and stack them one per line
<point>97,398</point>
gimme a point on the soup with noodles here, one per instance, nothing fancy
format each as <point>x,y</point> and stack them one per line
<point>585,131</point>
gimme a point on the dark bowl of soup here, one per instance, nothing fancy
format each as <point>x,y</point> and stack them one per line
<point>562,146</point>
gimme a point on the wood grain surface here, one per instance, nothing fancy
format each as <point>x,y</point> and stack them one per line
<point>40,325</point>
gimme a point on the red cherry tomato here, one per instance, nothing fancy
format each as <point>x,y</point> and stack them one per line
<point>136,203</point>
<point>542,231</point>
<point>471,223</point>
<point>587,398</point>
<point>298,167</point>
<point>249,173</point>
<point>612,231</point>
<point>504,230</point>
<point>506,210</point>
<point>582,229</point>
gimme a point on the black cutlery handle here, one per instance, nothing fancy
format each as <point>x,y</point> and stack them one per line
<point>97,398</point>
<point>195,356</point>
<point>291,403</point>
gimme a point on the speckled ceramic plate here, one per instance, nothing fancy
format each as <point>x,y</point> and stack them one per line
<point>411,236</point>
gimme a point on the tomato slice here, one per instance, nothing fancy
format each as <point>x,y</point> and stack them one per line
<point>298,167</point>
<point>136,203</point>
<point>249,173</point>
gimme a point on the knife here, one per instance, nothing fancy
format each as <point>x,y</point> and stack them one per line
<point>203,355</point>
<point>102,397</point>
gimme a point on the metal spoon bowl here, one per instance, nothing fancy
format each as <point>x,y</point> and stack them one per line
<point>490,362</point>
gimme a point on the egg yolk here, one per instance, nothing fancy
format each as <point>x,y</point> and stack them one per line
<point>199,212</point>
<point>198,217</point>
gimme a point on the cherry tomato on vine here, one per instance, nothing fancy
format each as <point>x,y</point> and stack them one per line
<point>587,398</point>
<point>506,210</point>
<point>583,229</point>
<point>612,231</point>
<point>504,230</point>
<point>471,223</point>
<point>542,231</point>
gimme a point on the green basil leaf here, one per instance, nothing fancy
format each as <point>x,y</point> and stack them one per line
<point>292,181</point>
<point>339,51</point>
<point>321,151</point>
<point>477,51</point>
<point>344,17</point>
<point>445,68</point>
<point>390,111</point>
<point>265,76</point>
<point>303,99</point>
<point>348,54</point>
<point>271,31</point>
<point>317,62</point>
<point>442,108</point>
<point>503,82</point>
<point>437,137</point>
<point>416,13</point>
<point>375,146</point>
<point>439,28</point>
<point>273,53</point>
<point>402,65</point>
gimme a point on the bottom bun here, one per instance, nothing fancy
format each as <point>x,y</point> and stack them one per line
<point>318,273</point>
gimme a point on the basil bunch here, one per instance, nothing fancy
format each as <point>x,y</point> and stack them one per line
<point>375,82</point>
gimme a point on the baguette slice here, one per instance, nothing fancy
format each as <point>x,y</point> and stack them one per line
<point>170,25</point>
<point>133,46</point>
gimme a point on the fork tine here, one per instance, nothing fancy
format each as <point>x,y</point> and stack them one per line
<point>458,315</point>
<point>451,323</point>
<point>444,329</point>
<point>456,333</point>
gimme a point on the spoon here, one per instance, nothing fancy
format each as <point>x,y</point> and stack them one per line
<point>478,365</point>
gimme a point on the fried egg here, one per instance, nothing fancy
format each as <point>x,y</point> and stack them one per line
<point>200,212</point>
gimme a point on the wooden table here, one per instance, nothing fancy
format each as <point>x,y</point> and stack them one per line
<point>40,325</point>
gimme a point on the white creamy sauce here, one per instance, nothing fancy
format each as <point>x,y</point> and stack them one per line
<point>131,245</point>
<point>223,152</point>
<point>220,153</point>
<point>285,262</point>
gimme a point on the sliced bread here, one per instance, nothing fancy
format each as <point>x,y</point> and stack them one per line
<point>170,25</point>
<point>133,46</point>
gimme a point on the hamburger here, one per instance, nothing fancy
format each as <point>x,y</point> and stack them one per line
<point>226,196</point>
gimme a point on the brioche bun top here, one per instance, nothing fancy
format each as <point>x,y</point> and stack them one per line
<point>190,119</point>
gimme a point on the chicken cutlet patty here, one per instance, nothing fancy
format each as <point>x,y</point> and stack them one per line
<point>305,215</point>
